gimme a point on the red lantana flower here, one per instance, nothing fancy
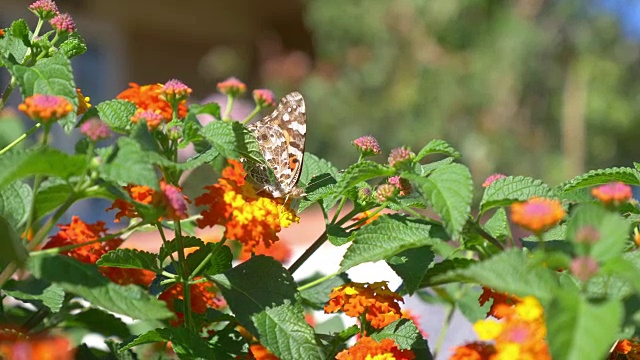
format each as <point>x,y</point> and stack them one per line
<point>79,232</point>
<point>203,296</point>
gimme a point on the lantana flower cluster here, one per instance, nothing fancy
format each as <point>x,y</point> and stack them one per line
<point>86,243</point>
<point>247,217</point>
<point>519,335</point>
<point>151,103</point>
<point>379,305</point>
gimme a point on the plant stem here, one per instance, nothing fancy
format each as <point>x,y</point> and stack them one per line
<point>184,277</point>
<point>339,209</point>
<point>445,328</point>
<point>317,281</point>
<point>307,253</point>
<point>487,236</point>
<point>7,92</point>
<point>227,110</point>
<point>20,138</point>
<point>204,262</point>
<point>37,29</point>
<point>251,115</point>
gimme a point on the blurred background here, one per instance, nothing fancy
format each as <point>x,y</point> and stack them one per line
<point>543,88</point>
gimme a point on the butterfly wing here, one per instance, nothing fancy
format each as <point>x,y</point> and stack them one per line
<point>281,136</point>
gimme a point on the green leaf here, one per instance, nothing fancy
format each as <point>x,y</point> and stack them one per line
<point>511,271</point>
<point>186,343</point>
<point>261,293</point>
<point>50,76</point>
<point>15,202</point>
<point>11,247</point>
<point>469,305</point>
<point>338,236</point>
<point>233,140</point>
<point>312,167</point>
<point>46,161</point>
<point>582,330</point>
<point>218,259</point>
<point>51,295</point>
<point>435,274</point>
<point>612,230</point>
<point>359,172</point>
<point>73,46</point>
<point>99,321</point>
<point>438,147</point>
<point>129,164</point>
<point>130,259</point>
<point>212,109</point>
<point>449,189</point>
<point>412,265</point>
<point>601,176</point>
<point>388,236</point>
<point>427,169</point>
<point>322,189</point>
<point>85,280</point>
<point>505,191</point>
<point>51,195</point>
<point>14,45</point>
<point>318,296</point>
<point>407,335</point>
<point>498,225</point>
<point>117,114</point>
<point>171,246</point>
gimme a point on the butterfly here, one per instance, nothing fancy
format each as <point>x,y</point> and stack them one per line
<point>281,137</point>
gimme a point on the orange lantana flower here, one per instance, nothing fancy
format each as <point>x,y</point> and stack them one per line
<point>260,352</point>
<point>379,304</point>
<point>139,194</point>
<point>473,351</point>
<point>169,198</point>
<point>614,193</point>
<point>280,251</point>
<point>15,345</point>
<point>83,103</point>
<point>203,296</point>
<point>367,348</point>
<point>79,232</point>
<point>247,217</point>
<point>498,300</point>
<point>46,108</point>
<point>147,97</point>
<point>366,217</point>
<point>127,276</point>
<point>520,335</point>
<point>537,214</point>
<point>626,349</point>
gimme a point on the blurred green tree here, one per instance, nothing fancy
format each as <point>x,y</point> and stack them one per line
<point>530,87</point>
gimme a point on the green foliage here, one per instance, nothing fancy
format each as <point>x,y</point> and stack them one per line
<point>50,76</point>
<point>117,114</point>
<point>580,329</point>
<point>18,165</point>
<point>418,217</point>
<point>262,295</point>
<point>85,280</point>
<point>505,191</point>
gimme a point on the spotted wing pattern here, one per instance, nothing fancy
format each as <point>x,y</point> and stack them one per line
<point>281,136</point>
